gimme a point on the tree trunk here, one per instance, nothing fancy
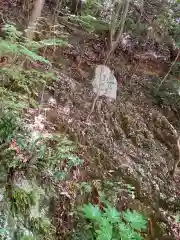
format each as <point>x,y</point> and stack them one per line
<point>76,6</point>
<point>113,25</point>
<point>119,34</point>
<point>36,13</point>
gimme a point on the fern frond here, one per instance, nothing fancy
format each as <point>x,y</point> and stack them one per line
<point>32,55</point>
<point>92,212</point>
<point>6,47</point>
<point>53,42</point>
<point>126,232</point>
<point>105,231</point>
<point>11,31</point>
<point>112,214</point>
<point>135,220</point>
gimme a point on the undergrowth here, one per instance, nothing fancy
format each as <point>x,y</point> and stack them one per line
<point>26,155</point>
<point>108,223</point>
<point>34,163</point>
<point>90,23</point>
<point>166,94</point>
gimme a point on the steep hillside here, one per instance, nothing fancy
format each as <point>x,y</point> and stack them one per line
<point>129,146</point>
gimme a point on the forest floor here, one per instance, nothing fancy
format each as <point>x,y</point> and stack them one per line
<point>127,141</point>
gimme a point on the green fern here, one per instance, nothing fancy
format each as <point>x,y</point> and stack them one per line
<point>112,214</point>
<point>21,201</point>
<point>109,224</point>
<point>135,220</point>
<point>92,212</point>
<point>32,55</point>
<point>8,126</point>
<point>13,44</point>
<point>90,23</point>
<point>6,47</point>
<point>17,45</point>
<point>105,231</point>
<point>18,85</point>
<point>11,32</point>
<point>19,81</point>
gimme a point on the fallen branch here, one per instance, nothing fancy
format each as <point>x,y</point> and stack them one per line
<point>166,76</point>
<point>93,106</point>
<point>176,161</point>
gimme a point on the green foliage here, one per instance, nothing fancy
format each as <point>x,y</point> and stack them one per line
<point>178,219</point>
<point>45,43</point>
<point>18,152</point>
<point>9,123</point>
<point>28,238</point>
<point>20,46</point>
<point>167,95</point>
<point>41,227</point>
<point>21,201</point>
<point>85,187</point>
<point>20,85</point>
<point>92,212</point>
<point>135,29</point>
<point>108,224</point>
<point>24,82</point>
<point>175,72</point>
<point>6,47</point>
<point>12,101</point>
<point>17,45</point>
<point>91,24</point>
<point>55,157</point>
<point>135,220</point>
<point>4,234</point>
<point>92,8</point>
<point>11,32</point>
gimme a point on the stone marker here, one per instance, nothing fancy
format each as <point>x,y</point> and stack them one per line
<point>104,82</point>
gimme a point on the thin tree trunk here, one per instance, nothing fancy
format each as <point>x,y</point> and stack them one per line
<point>114,22</point>
<point>167,74</point>
<point>56,11</point>
<point>36,13</point>
<point>123,20</point>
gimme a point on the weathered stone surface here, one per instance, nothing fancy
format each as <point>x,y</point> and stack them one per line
<point>104,82</point>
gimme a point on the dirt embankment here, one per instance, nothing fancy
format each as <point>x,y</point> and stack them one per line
<point>128,140</point>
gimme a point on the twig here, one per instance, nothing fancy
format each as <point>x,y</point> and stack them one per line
<point>176,161</point>
<point>134,72</point>
<point>43,88</point>
<point>96,98</point>
<point>58,6</point>
<point>93,106</point>
<point>114,23</point>
<point>169,71</point>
